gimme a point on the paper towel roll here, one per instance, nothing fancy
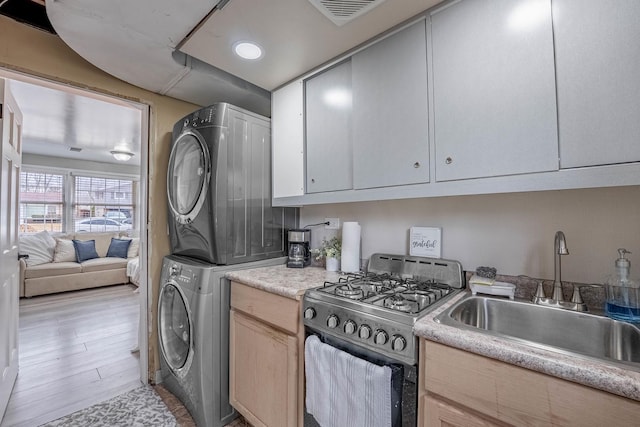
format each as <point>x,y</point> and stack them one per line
<point>350,257</point>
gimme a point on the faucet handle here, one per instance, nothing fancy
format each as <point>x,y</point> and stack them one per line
<point>577,302</point>
<point>576,297</point>
<point>539,292</point>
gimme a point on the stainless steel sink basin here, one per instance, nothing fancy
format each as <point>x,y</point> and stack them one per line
<point>553,328</point>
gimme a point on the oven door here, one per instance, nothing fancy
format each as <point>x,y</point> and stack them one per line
<point>403,384</point>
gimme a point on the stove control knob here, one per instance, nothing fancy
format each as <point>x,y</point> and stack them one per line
<point>381,337</point>
<point>333,321</point>
<point>364,332</point>
<point>309,313</point>
<point>350,327</point>
<point>398,343</point>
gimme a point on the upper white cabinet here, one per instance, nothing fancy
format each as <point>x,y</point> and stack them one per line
<point>598,70</point>
<point>390,126</point>
<point>494,104</point>
<point>471,97</point>
<point>329,155</point>
<point>287,127</point>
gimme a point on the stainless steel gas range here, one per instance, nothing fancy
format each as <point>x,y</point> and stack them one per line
<point>377,310</point>
<point>371,315</point>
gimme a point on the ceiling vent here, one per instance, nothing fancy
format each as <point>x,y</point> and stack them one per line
<point>342,11</point>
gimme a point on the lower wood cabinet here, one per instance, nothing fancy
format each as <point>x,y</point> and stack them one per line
<point>458,388</point>
<point>265,357</point>
<point>439,413</point>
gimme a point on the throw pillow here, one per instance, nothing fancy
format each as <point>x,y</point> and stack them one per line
<point>118,248</point>
<point>103,239</point>
<point>133,248</point>
<point>38,246</point>
<point>65,251</point>
<point>85,250</point>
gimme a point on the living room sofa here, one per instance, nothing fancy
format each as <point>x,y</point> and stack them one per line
<point>52,264</point>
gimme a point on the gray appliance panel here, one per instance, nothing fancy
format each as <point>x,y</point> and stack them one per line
<point>204,388</point>
<point>236,222</point>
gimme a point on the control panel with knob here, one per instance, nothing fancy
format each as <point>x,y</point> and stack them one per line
<point>364,332</point>
<point>381,337</point>
<point>309,313</point>
<point>174,270</point>
<point>398,343</point>
<point>350,327</point>
<point>333,321</point>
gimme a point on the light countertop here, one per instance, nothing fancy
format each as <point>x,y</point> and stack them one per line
<point>280,280</point>
<point>293,282</point>
<point>582,370</point>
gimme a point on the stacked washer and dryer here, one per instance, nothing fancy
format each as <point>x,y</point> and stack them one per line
<point>220,219</point>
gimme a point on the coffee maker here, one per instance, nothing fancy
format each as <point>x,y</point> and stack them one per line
<point>299,252</point>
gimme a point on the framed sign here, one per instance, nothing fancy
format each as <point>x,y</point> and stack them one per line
<point>425,241</point>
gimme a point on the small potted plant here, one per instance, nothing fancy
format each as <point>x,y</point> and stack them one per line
<point>330,252</point>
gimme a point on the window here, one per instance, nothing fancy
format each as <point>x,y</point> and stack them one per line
<point>59,202</point>
<point>99,198</point>
<point>41,201</point>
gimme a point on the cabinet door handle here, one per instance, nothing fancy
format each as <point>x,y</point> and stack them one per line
<point>416,165</point>
<point>448,160</point>
<point>313,180</point>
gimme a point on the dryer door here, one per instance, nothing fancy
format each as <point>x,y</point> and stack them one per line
<point>188,176</point>
<point>175,329</point>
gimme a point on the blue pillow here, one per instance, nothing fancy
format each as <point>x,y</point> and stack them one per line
<point>85,249</point>
<point>118,248</point>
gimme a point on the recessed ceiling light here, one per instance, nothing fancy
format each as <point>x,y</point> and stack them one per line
<point>247,50</point>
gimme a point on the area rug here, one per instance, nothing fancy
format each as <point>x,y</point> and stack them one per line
<point>141,407</point>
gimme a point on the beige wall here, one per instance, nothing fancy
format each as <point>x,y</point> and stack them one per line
<point>512,232</point>
<point>38,53</point>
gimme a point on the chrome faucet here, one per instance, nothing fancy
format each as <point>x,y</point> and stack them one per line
<point>559,249</point>
<point>557,299</point>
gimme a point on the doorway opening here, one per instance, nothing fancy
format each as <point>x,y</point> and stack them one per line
<point>84,170</point>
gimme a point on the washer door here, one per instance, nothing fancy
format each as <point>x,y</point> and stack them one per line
<point>188,176</point>
<point>175,329</point>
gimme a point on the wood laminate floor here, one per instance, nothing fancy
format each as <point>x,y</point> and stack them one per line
<point>75,351</point>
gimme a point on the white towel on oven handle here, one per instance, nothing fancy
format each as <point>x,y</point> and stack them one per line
<point>343,390</point>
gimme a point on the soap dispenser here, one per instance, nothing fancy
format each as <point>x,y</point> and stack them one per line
<point>623,294</point>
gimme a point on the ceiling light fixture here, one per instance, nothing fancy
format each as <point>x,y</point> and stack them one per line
<point>247,50</point>
<point>121,156</point>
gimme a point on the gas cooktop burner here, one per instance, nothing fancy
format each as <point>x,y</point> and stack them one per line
<point>349,291</point>
<point>385,290</point>
<point>397,302</point>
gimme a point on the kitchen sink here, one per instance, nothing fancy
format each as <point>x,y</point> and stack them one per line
<point>548,327</point>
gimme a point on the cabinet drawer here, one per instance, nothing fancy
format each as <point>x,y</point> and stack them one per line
<point>279,311</point>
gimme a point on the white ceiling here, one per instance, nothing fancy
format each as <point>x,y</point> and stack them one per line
<point>55,120</point>
<point>296,36</point>
<point>135,41</point>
